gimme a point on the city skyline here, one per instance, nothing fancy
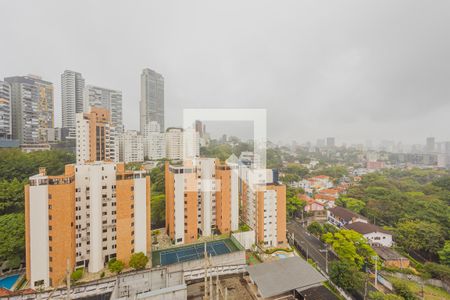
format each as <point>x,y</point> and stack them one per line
<point>334,80</point>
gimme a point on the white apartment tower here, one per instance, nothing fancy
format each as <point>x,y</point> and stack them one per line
<point>31,108</point>
<point>72,88</point>
<point>131,147</point>
<point>105,98</point>
<point>174,143</point>
<point>154,142</point>
<point>5,111</point>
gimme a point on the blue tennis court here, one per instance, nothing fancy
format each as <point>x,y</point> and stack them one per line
<point>193,252</point>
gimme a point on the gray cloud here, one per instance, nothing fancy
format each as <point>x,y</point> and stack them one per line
<point>351,69</point>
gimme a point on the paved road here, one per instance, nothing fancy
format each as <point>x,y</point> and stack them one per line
<point>310,245</point>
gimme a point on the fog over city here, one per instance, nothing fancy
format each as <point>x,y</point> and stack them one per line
<point>355,70</point>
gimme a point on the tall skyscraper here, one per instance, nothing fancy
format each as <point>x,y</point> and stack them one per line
<point>5,111</point>
<point>111,100</point>
<point>31,107</point>
<point>152,99</point>
<point>72,88</point>
<point>430,146</point>
<point>82,219</point>
<point>331,142</point>
<point>95,137</point>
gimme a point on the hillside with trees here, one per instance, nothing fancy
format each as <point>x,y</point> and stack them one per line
<point>414,205</point>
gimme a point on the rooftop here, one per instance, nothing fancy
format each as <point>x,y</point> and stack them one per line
<point>284,275</point>
<point>345,214</point>
<point>365,228</point>
<point>388,254</point>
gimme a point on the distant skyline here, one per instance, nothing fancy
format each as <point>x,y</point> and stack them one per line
<point>354,70</point>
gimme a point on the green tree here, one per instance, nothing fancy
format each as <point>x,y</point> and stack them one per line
<point>347,276</point>
<point>315,229</point>
<point>351,203</point>
<point>77,274</point>
<point>158,207</point>
<point>138,261</point>
<point>115,266</point>
<point>420,236</point>
<point>12,237</point>
<point>444,254</point>
<point>11,196</point>
<point>351,247</point>
<point>294,205</point>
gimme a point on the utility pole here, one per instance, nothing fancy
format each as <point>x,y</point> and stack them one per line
<point>376,271</point>
<point>68,278</point>
<point>206,273</point>
<point>326,258</point>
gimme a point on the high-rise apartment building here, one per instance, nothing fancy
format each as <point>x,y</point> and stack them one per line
<point>5,111</point>
<point>264,206</point>
<point>152,99</point>
<point>72,89</point>
<point>174,143</point>
<point>31,108</point>
<point>182,144</point>
<point>105,98</point>
<point>131,147</point>
<point>96,139</point>
<point>201,198</point>
<point>82,219</point>
<point>331,142</point>
<point>430,145</point>
<point>154,142</point>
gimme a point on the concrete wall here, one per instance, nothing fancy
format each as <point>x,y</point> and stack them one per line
<point>246,239</point>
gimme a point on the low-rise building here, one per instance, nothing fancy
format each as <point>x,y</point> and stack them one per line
<point>391,258</point>
<point>340,216</point>
<point>375,235</point>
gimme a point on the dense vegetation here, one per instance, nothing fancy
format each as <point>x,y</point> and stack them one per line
<point>413,203</point>
<point>15,169</point>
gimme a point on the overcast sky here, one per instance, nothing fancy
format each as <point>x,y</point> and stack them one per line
<point>356,70</point>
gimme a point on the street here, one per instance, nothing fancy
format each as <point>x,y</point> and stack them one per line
<point>310,245</point>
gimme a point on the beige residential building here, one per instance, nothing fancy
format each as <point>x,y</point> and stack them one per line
<point>92,213</point>
<point>264,206</point>
<point>96,139</point>
<point>201,198</point>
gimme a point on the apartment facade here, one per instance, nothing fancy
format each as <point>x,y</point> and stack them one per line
<point>131,147</point>
<point>84,218</point>
<point>105,98</point>
<point>31,108</point>
<point>72,89</point>
<point>154,142</point>
<point>264,206</point>
<point>96,139</point>
<point>152,99</point>
<point>5,111</point>
<point>201,199</point>
<point>174,143</point>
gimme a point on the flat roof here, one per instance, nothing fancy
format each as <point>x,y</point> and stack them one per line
<point>284,275</point>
